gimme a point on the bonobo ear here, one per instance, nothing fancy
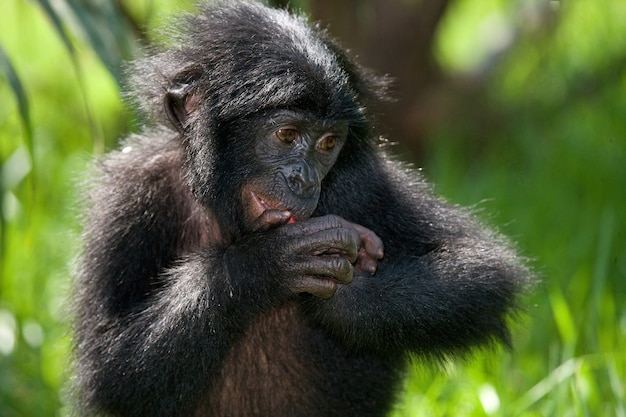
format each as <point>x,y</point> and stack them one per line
<point>181,101</point>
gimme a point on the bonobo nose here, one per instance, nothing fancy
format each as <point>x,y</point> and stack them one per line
<point>302,180</point>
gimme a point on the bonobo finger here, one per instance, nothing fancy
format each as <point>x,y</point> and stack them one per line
<point>270,219</point>
<point>369,240</point>
<point>316,224</point>
<point>365,263</point>
<point>319,287</point>
<point>336,267</point>
<point>343,242</point>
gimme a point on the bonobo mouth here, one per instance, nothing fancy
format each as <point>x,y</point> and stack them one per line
<point>260,204</point>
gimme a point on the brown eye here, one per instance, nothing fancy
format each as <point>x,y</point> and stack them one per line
<point>287,134</point>
<point>328,142</point>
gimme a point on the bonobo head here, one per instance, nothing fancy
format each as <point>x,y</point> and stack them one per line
<point>264,104</point>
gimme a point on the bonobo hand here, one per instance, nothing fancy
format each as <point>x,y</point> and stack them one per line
<point>316,254</point>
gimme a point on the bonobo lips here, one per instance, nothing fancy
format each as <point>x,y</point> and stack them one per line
<point>262,204</point>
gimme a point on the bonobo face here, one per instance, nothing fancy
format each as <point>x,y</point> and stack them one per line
<point>294,152</point>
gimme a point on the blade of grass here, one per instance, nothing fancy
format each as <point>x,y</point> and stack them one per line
<point>58,24</point>
<point>564,320</point>
<point>104,27</point>
<point>602,262</point>
<point>560,374</point>
<point>13,79</point>
<point>617,384</point>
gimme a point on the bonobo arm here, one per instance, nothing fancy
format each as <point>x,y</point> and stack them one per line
<point>445,285</point>
<point>153,360</point>
<point>157,314</point>
<point>150,285</point>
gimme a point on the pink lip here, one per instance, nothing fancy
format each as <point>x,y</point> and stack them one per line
<point>262,205</point>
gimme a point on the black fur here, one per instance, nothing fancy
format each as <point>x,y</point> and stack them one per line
<point>179,309</point>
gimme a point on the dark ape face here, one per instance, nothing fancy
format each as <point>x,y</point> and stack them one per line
<point>293,152</point>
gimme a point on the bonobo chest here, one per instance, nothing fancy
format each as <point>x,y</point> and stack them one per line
<point>264,373</point>
<point>277,369</point>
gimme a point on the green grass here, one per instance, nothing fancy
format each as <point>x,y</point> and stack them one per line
<point>554,180</point>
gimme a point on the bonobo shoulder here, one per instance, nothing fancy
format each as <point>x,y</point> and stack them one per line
<point>149,155</point>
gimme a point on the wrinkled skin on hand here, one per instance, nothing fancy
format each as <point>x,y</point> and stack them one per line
<point>315,255</point>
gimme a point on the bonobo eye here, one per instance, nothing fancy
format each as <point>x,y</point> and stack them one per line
<point>328,142</point>
<point>287,134</point>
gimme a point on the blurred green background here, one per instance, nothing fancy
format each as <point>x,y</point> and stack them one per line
<point>520,110</point>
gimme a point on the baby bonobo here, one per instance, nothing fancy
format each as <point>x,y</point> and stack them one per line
<point>253,251</point>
